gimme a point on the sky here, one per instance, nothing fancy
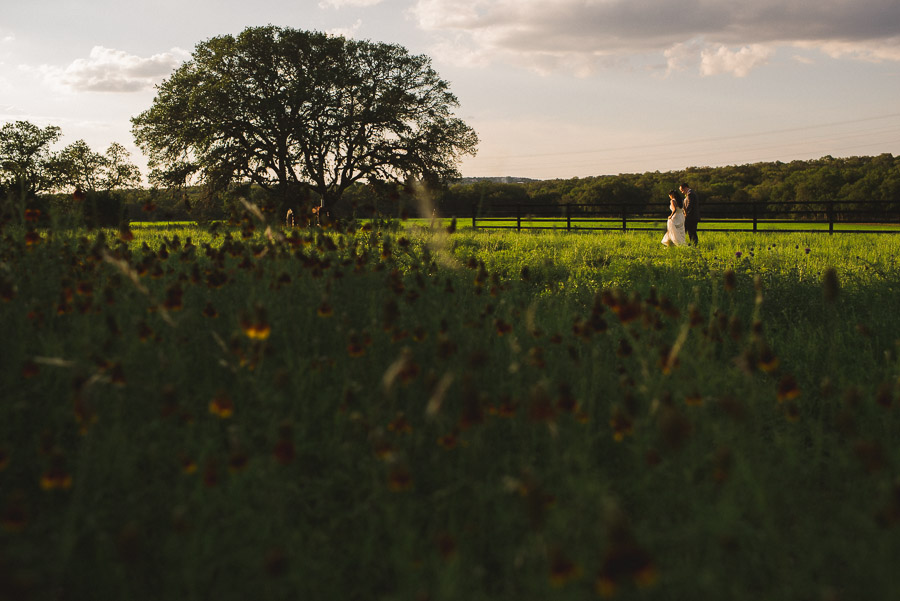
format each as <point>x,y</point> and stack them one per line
<point>554,88</point>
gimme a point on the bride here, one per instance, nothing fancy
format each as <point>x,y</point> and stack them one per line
<point>675,226</point>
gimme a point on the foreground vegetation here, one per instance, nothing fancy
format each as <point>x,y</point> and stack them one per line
<point>382,413</point>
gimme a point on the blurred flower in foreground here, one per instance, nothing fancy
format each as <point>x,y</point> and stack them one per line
<point>767,361</point>
<point>730,281</point>
<point>125,233</point>
<point>831,287</point>
<point>325,309</point>
<point>221,406</point>
<point>446,545</point>
<point>174,298</point>
<point>56,477</point>
<point>284,451</point>
<point>399,479</point>
<point>188,465</point>
<point>621,424</point>
<point>210,311</point>
<point>562,569</point>
<point>15,515</point>
<point>787,388</point>
<point>694,399</point>
<point>257,327</point>
<point>355,347</point>
<point>32,238</point>
<point>625,562</point>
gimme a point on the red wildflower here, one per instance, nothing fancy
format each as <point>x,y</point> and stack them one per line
<point>562,569</point>
<point>502,327</point>
<point>257,328</point>
<point>15,515</point>
<point>30,369</point>
<point>325,309</point>
<point>399,479</point>
<point>210,311</point>
<point>446,545</point>
<point>449,440</point>
<point>221,406</point>
<point>621,424</point>
<point>174,301</point>
<point>56,477</point>
<point>787,389</point>
<point>400,424</point>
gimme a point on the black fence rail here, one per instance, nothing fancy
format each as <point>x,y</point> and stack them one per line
<point>860,217</point>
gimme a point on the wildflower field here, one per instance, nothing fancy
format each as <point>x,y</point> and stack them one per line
<point>421,412</point>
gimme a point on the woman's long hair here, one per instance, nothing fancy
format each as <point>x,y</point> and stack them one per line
<point>679,201</point>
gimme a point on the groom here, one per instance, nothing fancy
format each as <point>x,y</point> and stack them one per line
<point>691,213</point>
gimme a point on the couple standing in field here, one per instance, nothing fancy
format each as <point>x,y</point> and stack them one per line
<point>683,219</point>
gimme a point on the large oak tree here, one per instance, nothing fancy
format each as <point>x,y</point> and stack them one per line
<point>285,109</point>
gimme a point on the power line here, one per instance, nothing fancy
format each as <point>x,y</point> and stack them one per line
<point>824,143</point>
<point>700,140</point>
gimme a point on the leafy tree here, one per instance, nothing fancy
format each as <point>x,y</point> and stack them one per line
<point>25,159</point>
<point>119,172</point>
<point>81,167</point>
<point>290,110</point>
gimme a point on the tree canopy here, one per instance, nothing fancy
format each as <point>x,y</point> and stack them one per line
<point>30,170</point>
<point>290,110</point>
<point>25,170</point>
<point>80,167</point>
<point>25,157</point>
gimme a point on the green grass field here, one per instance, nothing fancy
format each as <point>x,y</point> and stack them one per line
<point>709,225</point>
<point>410,413</point>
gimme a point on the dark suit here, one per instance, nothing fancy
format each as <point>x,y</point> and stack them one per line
<point>691,215</point>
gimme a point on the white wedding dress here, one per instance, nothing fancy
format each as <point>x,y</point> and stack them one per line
<point>675,230</point>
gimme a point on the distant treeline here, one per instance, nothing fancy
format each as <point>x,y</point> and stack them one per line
<point>824,180</point>
<point>859,179</point>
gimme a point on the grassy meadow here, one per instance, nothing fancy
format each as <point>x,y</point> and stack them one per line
<point>431,413</point>
<point>659,224</point>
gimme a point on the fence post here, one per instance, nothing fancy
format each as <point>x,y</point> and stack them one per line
<point>830,216</point>
<point>624,219</point>
<point>755,215</point>
<point>474,213</point>
<point>518,218</point>
<point>568,218</point>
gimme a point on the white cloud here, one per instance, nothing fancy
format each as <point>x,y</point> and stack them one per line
<point>732,36</point>
<point>875,51</point>
<point>739,62</point>
<point>457,51</point>
<point>110,70</point>
<point>682,55</point>
<point>347,32</point>
<point>337,4</point>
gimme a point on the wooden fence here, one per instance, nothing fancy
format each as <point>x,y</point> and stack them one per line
<point>786,217</point>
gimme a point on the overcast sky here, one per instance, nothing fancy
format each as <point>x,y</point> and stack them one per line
<point>554,88</point>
